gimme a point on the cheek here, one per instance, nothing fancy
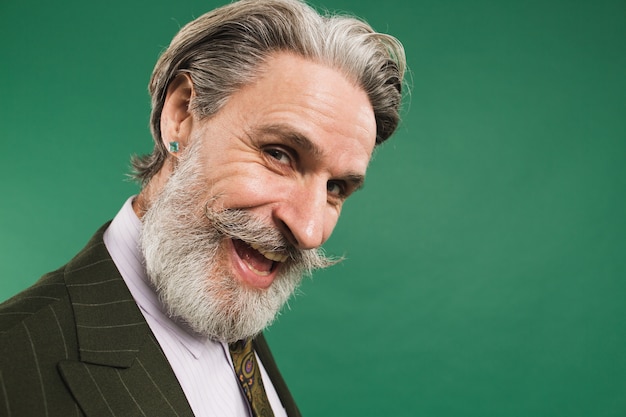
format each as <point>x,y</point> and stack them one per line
<point>248,189</point>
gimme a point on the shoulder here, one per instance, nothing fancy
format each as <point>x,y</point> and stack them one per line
<point>49,300</point>
<point>37,331</point>
<point>42,299</point>
<point>39,319</point>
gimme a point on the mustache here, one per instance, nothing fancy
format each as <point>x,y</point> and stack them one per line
<point>241,225</point>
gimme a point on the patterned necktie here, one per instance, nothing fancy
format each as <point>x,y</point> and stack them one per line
<point>249,375</point>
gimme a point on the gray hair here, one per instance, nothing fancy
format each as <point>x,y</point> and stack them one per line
<point>222,51</point>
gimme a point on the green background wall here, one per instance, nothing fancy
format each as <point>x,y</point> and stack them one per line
<point>486,258</point>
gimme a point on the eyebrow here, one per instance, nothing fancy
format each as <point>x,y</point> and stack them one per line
<point>296,138</point>
<point>357,181</point>
<point>299,140</point>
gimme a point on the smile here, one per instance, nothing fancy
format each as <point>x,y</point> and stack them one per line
<point>257,267</point>
<point>274,256</point>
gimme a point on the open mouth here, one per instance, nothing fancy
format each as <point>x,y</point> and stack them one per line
<point>257,260</point>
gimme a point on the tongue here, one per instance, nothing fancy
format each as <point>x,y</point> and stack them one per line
<point>253,257</point>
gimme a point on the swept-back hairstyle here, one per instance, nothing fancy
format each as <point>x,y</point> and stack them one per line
<point>223,50</point>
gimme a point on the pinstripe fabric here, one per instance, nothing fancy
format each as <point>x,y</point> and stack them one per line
<point>36,333</point>
<point>76,344</point>
<point>140,390</point>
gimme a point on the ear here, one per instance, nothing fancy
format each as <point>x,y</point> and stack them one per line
<point>176,119</point>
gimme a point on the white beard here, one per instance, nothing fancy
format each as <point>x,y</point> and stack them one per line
<point>184,251</point>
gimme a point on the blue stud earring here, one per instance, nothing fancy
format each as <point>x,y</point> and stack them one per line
<point>174,147</point>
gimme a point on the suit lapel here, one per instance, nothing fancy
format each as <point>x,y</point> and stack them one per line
<point>147,388</point>
<point>122,370</point>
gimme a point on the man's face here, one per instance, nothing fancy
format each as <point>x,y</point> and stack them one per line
<point>288,149</point>
<point>259,188</point>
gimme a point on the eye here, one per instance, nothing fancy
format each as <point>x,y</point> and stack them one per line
<point>279,155</point>
<point>336,188</point>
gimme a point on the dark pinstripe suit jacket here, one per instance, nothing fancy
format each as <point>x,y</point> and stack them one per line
<point>76,344</point>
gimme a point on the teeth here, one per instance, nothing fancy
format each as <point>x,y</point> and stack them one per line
<point>273,256</point>
<point>256,271</point>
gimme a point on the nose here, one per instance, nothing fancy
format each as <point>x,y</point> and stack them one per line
<point>305,216</point>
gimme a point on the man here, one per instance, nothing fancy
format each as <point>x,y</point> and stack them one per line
<point>265,116</point>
